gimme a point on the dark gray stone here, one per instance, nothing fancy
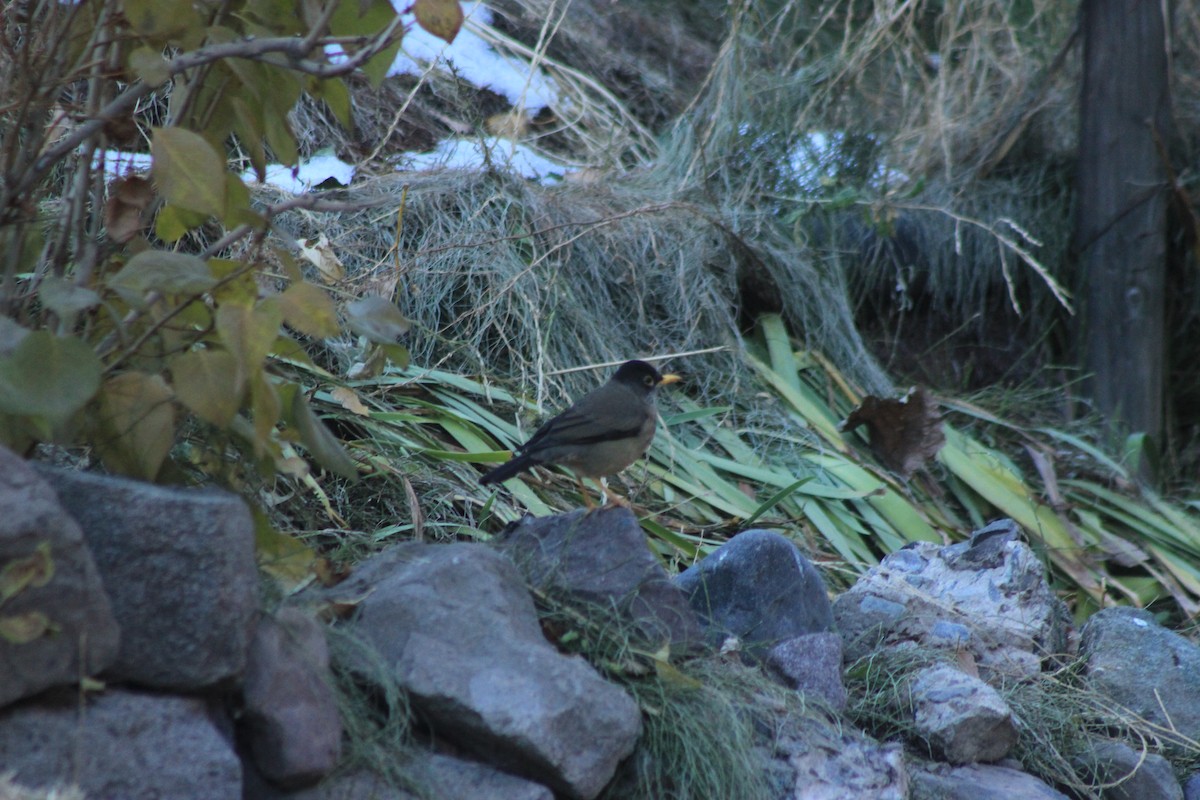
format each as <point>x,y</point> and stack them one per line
<point>179,567</point>
<point>759,588</point>
<point>457,627</point>
<point>1130,774</point>
<point>432,777</point>
<point>1191,787</point>
<point>121,745</point>
<point>961,717</point>
<point>977,782</point>
<point>85,636</point>
<point>600,559</point>
<point>812,664</point>
<point>1143,667</point>
<point>987,597</point>
<point>291,713</point>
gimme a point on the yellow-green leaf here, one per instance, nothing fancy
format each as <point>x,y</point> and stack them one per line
<point>442,18</point>
<point>206,381</point>
<point>149,65</point>
<point>307,308</point>
<point>49,377</point>
<point>173,223</point>
<point>249,332</point>
<point>161,271</point>
<point>322,444</point>
<point>189,172</point>
<point>24,628</point>
<point>135,424</point>
<point>285,557</point>
<point>35,569</point>
<point>159,19</point>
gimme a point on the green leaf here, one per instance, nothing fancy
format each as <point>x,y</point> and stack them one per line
<point>49,377</point>
<point>64,298</point>
<point>308,309</point>
<point>159,19</point>
<point>149,65</point>
<point>24,628</point>
<point>135,424</point>
<point>335,94</point>
<point>35,569</point>
<point>189,172</point>
<point>206,382</point>
<point>161,271</point>
<point>173,223</point>
<point>285,557</point>
<point>322,444</point>
<point>249,332</point>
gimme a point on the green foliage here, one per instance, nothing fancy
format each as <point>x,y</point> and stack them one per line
<point>133,309</point>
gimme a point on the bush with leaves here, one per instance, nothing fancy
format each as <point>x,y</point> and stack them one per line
<point>132,304</point>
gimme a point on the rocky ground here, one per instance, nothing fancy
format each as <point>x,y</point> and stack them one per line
<point>140,658</point>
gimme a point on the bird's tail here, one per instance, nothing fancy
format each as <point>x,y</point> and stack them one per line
<point>508,470</point>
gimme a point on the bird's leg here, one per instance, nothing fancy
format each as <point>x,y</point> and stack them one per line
<point>587,498</point>
<point>612,496</point>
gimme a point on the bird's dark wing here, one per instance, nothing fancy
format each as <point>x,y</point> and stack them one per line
<point>609,414</point>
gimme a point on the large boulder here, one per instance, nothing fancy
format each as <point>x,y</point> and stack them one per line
<point>600,560</point>
<point>978,782</point>
<point>961,717</point>
<point>1129,774</point>
<point>1143,667</point>
<point>456,627</point>
<point>179,566</point>
<point>56,622</point>
<point>121,744</point>
<point>986,598</point>
<point>759,589</point>
<point>291,713</point>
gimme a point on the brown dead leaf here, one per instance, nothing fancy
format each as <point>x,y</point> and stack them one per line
<point>124,213</point>
<point>320,253</point>
<point>350,401</point>
<point>442,18</point>
<point>904,433</point>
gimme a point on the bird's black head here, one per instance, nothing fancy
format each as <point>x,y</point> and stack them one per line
<point>641,375</point>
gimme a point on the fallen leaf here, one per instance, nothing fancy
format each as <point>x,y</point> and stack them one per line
<point>904,432</point>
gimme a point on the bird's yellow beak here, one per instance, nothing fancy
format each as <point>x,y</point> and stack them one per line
<point>670,378</point>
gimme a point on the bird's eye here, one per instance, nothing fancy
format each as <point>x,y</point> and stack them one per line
<point>648,380</point>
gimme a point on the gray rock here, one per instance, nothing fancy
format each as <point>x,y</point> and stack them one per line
<point>977,782</point>
<point>179,567</point>
<point>759,588</point>
<point>1129,774</point>
<point>291,713</point>
<point>449,778</point>
<point>1191,787</point>
<point>601,559</point>
<point>1143,667</point>
<point>811,663</point>
<point>457,628</point>
<point>824,764</point>
<point>987,596</point>
<point>123,745</point>
<point>432,776</point>
<point>85,637</point>
<point>961,717</point>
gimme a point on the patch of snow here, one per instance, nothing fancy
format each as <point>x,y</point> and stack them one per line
<point>480,153</point>
<point>118,164</point>
<point>473,59</point>
<point>307,175</point>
